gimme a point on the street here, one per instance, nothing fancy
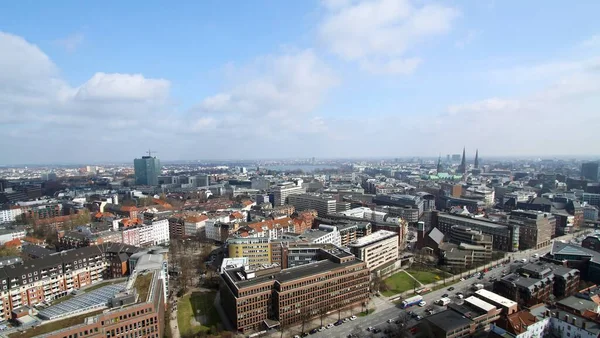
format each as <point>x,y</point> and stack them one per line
<point>386,309</point>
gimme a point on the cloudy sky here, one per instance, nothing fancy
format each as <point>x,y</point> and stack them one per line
<point>106,80</point>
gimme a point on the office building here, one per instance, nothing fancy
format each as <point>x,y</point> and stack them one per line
<point>505,237</point>
<point>376,249</point>
<point>324,234</point>
<point>147,169</point>
<point>506,305</point>
<point>266,297</point>
<point>592,199</point>
<point>536,228</point>
<point>468,248</point>
<point>403,201</point>
<point>256,249</point>
<point>323,204</point>
<point>282,190</point>
<point>590,170</point>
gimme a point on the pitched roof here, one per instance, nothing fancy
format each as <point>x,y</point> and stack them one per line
<point>13,243</point>
<point>436,235</point>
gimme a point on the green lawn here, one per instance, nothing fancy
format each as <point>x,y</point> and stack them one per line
<point>427,275</point>
<point>397,283</point>
<point>197,303</point>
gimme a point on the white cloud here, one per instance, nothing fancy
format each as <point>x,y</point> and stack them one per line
<point>593,41</point>
<point>117,87</point>
<point>71,42</point>
<point>287,86</point>
<point>379,33</point>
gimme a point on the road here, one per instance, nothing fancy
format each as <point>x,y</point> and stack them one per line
<point>388,310</point>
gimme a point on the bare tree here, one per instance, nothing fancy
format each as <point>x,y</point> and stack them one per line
<point>283,328</point>
<point>305,316</point>
<point>322,313</point>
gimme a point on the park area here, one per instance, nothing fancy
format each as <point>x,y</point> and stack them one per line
<point>402,281</point>
<point>196,314</point>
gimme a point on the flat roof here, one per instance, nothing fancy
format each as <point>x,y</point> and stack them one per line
<point>487,307</point>
<point>495,298</point>
<point>473,221</point>
<point>310,269</point>
<point>372,238</point>
<point>448,320</point>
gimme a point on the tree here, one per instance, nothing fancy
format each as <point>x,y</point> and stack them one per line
<point>305,316</point>
<point>187,273</point>
<point>322,313</point>
<point>8,251</point>
<point>282,328</point>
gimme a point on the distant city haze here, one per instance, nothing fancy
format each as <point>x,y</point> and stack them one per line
<point>299,79</point>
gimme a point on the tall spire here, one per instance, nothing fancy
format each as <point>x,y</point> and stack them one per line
<point>476,163</point>
<point>463,163</point>
<point>439,164</point>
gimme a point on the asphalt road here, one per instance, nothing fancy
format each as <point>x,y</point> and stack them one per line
<point>392,311</point>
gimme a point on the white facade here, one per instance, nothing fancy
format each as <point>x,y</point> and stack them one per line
<point>9,235</point>
<point>376,249</point>
<point>330,234</point>
<point>160,231</point>
<point>283,190</point>
<point>535,330</point>
<point>192,228</point>
<point>9,215</point>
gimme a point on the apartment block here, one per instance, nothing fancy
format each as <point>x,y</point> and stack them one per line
<point>54,276</point>
<point>535,282</point>
<point>377,249</point>
<point>256,249</point>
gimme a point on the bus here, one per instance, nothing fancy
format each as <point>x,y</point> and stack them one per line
<point>408,302</point>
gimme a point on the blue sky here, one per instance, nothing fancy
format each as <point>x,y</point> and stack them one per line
<point>103,81</point>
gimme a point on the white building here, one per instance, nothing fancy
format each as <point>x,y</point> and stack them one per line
<point>160,232</point>
<point>9,235</point>
<point>323,204</point>
<point>10,215</point>
<point>283,190</point>
<point>325,234</point>
<point>194,224</point>
<point>376,249</point>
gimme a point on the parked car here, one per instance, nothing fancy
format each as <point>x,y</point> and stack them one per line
<point>338,323</point>
<point>390,321</point>
<point>370,328</point>
<point>376,330</point>
<point>313,331</point>
<point>353,317</point>
<point>451,288</point>
<point>322,328</point>
<point>329,326</point>
<point>444,295</point>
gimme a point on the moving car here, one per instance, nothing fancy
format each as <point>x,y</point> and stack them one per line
<point>390,321</point>
<point>422,303</point>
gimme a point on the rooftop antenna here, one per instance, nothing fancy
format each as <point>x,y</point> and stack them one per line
<point>150,152</point>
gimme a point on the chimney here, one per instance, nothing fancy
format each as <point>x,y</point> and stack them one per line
<point>583,324</point>
<point>574,321</point>
<point>567,318</point>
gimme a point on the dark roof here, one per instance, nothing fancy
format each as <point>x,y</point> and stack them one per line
<point>541,201</point>
<point>311,269</point>
<point>448,320</point>
<point>36,251</point>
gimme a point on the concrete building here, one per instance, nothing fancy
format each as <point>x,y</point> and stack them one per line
<point>10,214</point>
<point>194,225</point>
<point>536,228</point>
<point>505,237</point>
<point>377,249</point>
<point>7,235</point>
<point>256,299</point>
<point>282,190</point>
<point>592,199</point>
<point>403,201</point>
<point>323,204</point>
<point>147,169</point>
<point>324,234</point>
<point>256,249</point>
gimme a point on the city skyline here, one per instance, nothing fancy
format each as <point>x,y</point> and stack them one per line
<point>325,79</point>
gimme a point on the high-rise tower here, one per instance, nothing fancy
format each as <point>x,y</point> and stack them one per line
<point>439,164</point>
<point>476,163</point>
<point>147,170</point>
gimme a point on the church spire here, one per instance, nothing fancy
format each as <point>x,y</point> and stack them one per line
<point>476,163</point>
<point>463,163</point>
<point>439,164</point>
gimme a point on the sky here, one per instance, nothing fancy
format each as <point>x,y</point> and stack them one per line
<point>104,81</point>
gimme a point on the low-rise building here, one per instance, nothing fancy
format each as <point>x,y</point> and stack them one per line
<point>468,319</point>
